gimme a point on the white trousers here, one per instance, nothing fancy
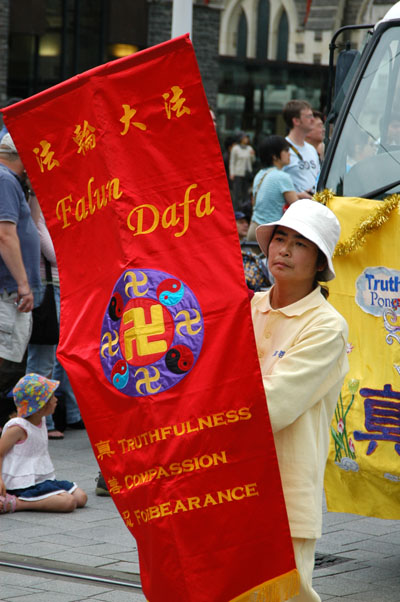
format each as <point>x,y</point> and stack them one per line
<point>304,553</point>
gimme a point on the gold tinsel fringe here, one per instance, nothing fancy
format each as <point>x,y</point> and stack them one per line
<point>368,225</point>
<point>279,589</point>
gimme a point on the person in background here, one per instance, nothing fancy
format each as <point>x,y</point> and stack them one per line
<point>242,225</point>
<point>316,136</point>
<point>361,146</point>
<point>228,145</point>
<point>272,187</point>
<point>10,101</point>
<point>301,343</point>
<point>393,131</point>
<point>19,256</point>
<point>241,162</point>
<point>304,164</point>
<point>42,359</point>
<point>27,478</point>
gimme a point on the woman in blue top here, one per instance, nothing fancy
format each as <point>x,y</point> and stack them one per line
<point>272,187</point>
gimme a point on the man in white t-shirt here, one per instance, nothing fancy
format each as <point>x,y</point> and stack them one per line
<point>304,166</point>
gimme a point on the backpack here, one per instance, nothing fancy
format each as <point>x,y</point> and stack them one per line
<point>254,271</point>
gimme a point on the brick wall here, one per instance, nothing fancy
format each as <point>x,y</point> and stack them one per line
<point>205,35</point>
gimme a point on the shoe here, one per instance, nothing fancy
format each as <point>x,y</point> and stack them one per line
<point>101,487</point>
<point>54,435</point>
<point>8,503</point>
<point>77,426</point>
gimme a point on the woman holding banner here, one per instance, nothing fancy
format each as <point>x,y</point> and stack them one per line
<point>301,343</point>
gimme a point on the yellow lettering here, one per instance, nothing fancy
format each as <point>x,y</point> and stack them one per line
<point>189,428</point>
<point>203,205</point>
<point>244,414</point>
<point>139,212</point>
<point>62,210</point>
<point>100,201</point>
<point>194,502</point>
<point>205,422</point>
<point>92,208</point>
<point>185,206</point>
<point>145,218</point>
<point>173,220</point>
<point>232,416</point>
<point>154,512</point>
<point>237,493</point>
<point>224,496</point>
<point>84,208</point>
<point>175,468</point>
<point>122,443</point>
<point>129,483</point>
<point>209,500</point>
<point>187,465</point>
<point>114,189</point>
<point>162,472</point>
<point>206,461</point>
<point>152,473</point>
<point>166,430</point>
<point>251,489</point>
<point>219,419</point>
<point>165,509</point>
<point>80,210</point>
<point>180,507</point>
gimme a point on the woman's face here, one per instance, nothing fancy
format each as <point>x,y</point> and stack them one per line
<point>285,156</point>
<point>292,258</point>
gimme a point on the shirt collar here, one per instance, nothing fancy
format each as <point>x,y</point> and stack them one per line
<point>313,299</point>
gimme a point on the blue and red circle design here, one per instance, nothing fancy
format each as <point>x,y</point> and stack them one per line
<point>152,332</point>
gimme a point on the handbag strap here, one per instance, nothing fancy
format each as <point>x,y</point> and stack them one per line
<point>261,181</point>
<point>47,264</point>
<point>295,150</point>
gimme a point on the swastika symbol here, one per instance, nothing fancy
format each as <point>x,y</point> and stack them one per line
<point>140,331</point>
<point>152,332</point>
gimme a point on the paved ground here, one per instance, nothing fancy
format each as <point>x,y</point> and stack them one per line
<point>359,557</point>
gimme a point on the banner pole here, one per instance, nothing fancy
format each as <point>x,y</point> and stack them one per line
<point>182,11</point>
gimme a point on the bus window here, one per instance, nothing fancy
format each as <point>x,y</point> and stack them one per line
<point>367,155</point>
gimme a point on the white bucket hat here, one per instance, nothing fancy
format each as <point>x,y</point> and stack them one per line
<point>313,221</point>
<point>7,145</point>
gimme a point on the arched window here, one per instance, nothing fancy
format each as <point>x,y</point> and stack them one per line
<point>283,38</point>
<point>262,29</point>
<point>241,48</point>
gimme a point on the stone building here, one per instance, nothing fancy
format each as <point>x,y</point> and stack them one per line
<point>271,51</point>
<point>253,55</point>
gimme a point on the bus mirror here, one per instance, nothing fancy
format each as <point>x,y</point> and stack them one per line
<point>344,62</point>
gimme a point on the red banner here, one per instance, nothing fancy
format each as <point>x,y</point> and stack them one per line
<point>156,331</point>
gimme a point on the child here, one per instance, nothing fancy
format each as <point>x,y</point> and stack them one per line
<point>27,480</point>
<point>301,343</point>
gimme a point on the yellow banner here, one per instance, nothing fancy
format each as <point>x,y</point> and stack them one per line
<point>363,470</point>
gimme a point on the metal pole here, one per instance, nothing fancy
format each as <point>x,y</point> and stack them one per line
<point>182,11</point>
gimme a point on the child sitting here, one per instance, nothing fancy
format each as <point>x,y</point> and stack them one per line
<point>27,480</point>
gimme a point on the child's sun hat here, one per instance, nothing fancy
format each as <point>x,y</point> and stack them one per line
<point>32,392</point>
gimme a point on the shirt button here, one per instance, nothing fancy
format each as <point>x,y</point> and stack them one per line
<point>261,354</point>
<point>267,334</point>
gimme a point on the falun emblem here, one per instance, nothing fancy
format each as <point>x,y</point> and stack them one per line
<point>152,332</point>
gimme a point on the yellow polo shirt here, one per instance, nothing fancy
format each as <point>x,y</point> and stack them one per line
<point>302,353</point>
